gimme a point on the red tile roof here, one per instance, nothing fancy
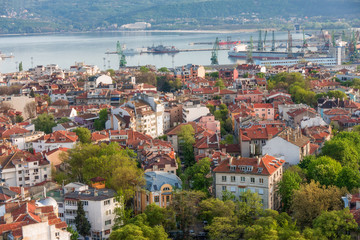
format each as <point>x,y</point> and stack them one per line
<point>267,164</point>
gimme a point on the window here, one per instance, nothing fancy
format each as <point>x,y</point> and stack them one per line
<point>27,178</point>
<point>20,172</point>
<point>232,178</point>
<point>35,163</point>
<point>242,179</point>
<point>57,234</point>
<point>167,198</point>
<point>233,189</point>
<point>261,180</point>
<point>61,215</point>
<point>36,170</point>
<point>223,178</point>
<point>156,199</point>
<point>36,177</point>
<point>85,203</point>
<point>261,191</point>
<point>224,188</point>
<point>20,178</point>
<point>19,165</point>
<point>252,180</point>
<point>166,189</point>
<point>107,222</point>
<point>107,202</point>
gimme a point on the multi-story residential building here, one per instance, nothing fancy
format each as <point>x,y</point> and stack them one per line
<point>290,145</point>
<point>99,205</point>
<point>259,175</point>
<point>193,110</point>
<point>149,114</point>
<point>23,169</point>
<point>175,112</point>
<point>228,74</point>
<point>24,141</point>
<point>264,110</point>
<point>55,140</point>
<point>252,138</point>
<point>121,118</point>
<point>189,71</point>
<point>158,190</point>
<point>210,123</point>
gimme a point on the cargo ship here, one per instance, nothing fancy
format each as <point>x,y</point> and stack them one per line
<point>240,51</point>
<point>162,49</point>
<point>229,42</point>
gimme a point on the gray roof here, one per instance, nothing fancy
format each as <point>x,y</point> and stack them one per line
<point>155,180</point>
<point>92,194</point>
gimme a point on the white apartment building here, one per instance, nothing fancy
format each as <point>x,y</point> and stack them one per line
<point>24,141</point>
<point>23,169</point>
<point>55,140</point>
<point>192,111</point>
<point>99,206</point>
<point>259,175</point>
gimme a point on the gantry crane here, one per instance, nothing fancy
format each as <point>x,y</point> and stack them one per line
<point>215,52</point>
<point>264,45</point>
<point>260,43</point>
<point>273,42</point>
<point>249,57</point>
<point>119,51</point>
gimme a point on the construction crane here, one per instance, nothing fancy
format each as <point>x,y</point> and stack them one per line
<point>327,42</point>
<point>264,45</point>
<point>305,44</point>
<point>273,42</point>
<point>215,52</point>
<point>249,58</point>
<point>353,51</point>
<point>260,43</point>
<point>333,42</point>
<point>119,51</point>
<point>289,50</point>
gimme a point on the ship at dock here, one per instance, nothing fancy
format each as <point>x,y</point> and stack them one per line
<point>162,49</point>
<point>240,51</point>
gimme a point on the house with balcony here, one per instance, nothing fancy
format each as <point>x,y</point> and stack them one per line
<point>23,169</point>
<point>58,139</point>
<point>259,175</point>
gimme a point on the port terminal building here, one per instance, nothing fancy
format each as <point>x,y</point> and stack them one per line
<point>289,62</point>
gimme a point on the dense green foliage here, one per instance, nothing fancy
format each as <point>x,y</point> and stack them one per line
<point>117,165</point>
<point>44,122</point>
<point>198,176</point>
<point>99,124</point>
<point>84,134</point>
<point>186,141</point>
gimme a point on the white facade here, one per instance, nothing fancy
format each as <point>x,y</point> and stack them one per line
<point>44,231</point>
<point>193,112</point>
<point>26,174</point>
<point>279,147</point>
<point>41,145</point>
<point>24,141</point>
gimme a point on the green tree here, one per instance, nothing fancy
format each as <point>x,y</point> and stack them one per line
<point>111,72</point>
<point>160,216</point>
<point>324,170</point>
<point>63,120</point>
<point>290,181</point>
<point>214,75</point>
<point>336,224</point>
<point>74,233</point>
<point>213,207</point>
<point>348,177</point>
<point>144,69</point>
<point>311,199</point>
<point>227,195</point>
<point>186,206</point>
<point>249,207</point>
<point>220,84</point>
<point>19,119</point>
<point>84,134</point>
<point>138,228</point>
<point>211,108</point>
<point>119,165</point>
<point>44,122</point>
<point>186,142</point>
<point>163,69</point>
<point>225,228</point>
<point>99,123</point>
<point>21,67</point>
<point>32,93</point>
<point>198,176</point>
<point>342,150</point>
<point>82,224</point>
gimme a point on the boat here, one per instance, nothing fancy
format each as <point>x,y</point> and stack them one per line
<point>240,51</point>
<point>162,49</point>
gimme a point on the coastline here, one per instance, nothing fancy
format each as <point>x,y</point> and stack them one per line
<point>221,31</point>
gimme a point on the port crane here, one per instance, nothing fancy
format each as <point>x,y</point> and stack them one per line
<point>273,42</point>
<point>264,45</point>
<point>353,51</point>
<point>249,58</point>
<point>215,52</point>
<point>119,51</point>
<point>260,43</point>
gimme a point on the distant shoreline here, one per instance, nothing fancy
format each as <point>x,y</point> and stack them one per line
<point>137,31</point>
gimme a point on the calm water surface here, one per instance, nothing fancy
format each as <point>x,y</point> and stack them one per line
<point>66,49</point>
